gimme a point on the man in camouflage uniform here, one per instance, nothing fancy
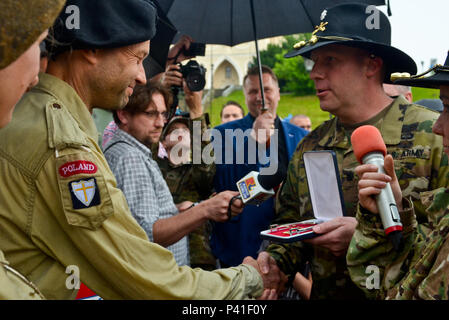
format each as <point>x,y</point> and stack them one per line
<point>24,26</point>
<point>189,184</point>
<point>351,62</point>
<point>420,270</point>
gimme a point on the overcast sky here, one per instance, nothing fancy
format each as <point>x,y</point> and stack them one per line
<point>420,28</point>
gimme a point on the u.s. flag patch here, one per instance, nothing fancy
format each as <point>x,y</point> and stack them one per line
<point>84,193</point>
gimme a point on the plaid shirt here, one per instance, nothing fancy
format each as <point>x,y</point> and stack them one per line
<point>145,189</point>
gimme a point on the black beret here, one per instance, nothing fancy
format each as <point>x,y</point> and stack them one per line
<point>97,24</point>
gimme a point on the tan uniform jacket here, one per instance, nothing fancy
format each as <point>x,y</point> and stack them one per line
<point>59,207</point>
<point>14,286</point>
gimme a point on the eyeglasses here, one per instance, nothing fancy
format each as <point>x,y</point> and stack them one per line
<point>155,114</point>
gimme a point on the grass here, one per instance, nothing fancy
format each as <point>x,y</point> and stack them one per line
<point>289,104</point>
<point>308,105</point>
<point>423,93</point>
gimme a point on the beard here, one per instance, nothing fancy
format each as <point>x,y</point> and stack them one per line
<point>111,99</point>
<point>108,89</point>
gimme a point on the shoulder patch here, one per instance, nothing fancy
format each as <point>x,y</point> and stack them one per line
<point>84,193</point>
<point>76,167</point>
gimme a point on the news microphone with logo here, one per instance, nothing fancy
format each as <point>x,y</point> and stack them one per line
<point>255,188</point>
<point>369,148</point>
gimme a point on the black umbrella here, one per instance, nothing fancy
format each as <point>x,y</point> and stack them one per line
<point>160,44</point>
<point>230,22</point>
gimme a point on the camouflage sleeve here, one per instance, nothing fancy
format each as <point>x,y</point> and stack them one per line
<point>434,258</point>
<point>373,264</point>
<point>202,175</point>
<point>290,256</point>
<point>427,275</point>
<point>204,172</point>
<point>439,173</point>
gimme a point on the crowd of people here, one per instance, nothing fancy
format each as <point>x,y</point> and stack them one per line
<point>140,215</point>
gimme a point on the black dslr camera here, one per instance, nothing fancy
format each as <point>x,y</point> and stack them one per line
<point>194,75</point>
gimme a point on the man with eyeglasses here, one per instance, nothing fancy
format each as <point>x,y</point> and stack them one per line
<point>130,157</point>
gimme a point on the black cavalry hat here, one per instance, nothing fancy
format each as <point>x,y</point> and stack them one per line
<point>437,76</point>
<point>361,26</point>
<point>101,24</point>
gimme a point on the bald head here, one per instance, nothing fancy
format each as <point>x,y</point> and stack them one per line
<point>302,121</point>
<point>394,90</point>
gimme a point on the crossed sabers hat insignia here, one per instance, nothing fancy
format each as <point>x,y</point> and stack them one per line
<point>314,38</point>
<point>405,75</point>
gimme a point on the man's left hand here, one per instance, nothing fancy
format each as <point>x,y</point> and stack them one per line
<point>336,234</point>
<point>178,50</point>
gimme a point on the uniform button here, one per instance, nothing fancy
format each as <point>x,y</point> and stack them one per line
<point>56,106</point>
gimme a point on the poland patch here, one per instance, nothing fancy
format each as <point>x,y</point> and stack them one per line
<point>77,167</point>
<point>84,193</point>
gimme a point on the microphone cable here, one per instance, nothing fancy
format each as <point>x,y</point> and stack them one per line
<point>230,204</point>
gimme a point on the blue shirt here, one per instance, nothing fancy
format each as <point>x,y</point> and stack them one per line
<point>232,241</point>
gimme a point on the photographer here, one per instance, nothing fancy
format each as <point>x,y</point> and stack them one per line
<point>172,75</point>
<point>188,183</point>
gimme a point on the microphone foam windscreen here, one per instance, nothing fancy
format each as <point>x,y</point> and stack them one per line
<point>273,180</point>
<point>366,139</point>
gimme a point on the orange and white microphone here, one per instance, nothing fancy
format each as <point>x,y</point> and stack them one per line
<point>369,148</point>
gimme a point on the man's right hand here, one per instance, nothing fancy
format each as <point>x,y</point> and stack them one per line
<point>172,76</point>
<point>265,124</point>
<point>372,182</point>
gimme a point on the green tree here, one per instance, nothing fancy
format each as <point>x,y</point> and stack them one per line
<point>295,76</point>
<point>267,56</point>
<point>292,74</point>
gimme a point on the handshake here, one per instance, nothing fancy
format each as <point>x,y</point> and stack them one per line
<point>274,280</point>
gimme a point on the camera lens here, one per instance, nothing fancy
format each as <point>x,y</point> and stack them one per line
<point>194,75</point>
<point>195,81</point>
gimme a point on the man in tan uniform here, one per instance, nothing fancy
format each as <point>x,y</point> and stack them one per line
<point>61,213</point>
<point>19,65</point>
